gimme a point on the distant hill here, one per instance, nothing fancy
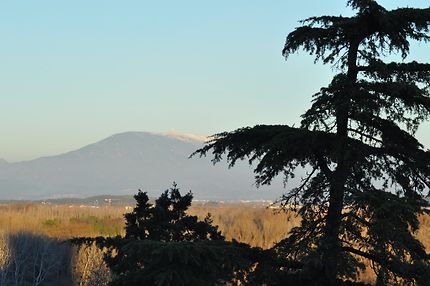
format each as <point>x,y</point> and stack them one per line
<point>123,163</point>
<point>100,200</point>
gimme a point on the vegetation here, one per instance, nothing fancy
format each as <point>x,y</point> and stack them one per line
<point>167,220</point>
<point>62,221</point>
<point>85,265</point>
<point>163,245</point>
<point>368,174</point>
<point>31,260</point>
<point>252,224</point>
<point>88,266</point>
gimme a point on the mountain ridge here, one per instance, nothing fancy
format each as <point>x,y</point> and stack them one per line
<point>125,162</point>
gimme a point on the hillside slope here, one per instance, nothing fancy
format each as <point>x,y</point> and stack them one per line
<point>125,162</point>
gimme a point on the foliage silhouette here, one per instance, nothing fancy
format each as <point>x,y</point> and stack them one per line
<point>163,245</point>
<point>368,173</point>
<point>166,220</point>
<point>174,263</point>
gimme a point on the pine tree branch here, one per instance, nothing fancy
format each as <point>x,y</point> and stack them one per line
<point>394,67</point>
<point>365,135</point>
<point>407,271</point>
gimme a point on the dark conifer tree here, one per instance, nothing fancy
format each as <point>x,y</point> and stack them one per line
<point>165,246</point>
<point>167,220</point>
<point>368,173</point>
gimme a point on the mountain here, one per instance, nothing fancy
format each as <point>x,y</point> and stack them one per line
<point>123,163</point>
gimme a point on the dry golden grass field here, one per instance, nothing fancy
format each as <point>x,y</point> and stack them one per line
<point>250,223</point>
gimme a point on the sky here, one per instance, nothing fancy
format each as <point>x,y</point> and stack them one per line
<point>75,72</point>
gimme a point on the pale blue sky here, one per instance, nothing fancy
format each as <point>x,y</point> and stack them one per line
<point>74,72</point>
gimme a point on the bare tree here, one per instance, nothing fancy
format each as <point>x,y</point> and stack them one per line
<point>89,268</point>
<point>29,259</point>
<point>5,257</point>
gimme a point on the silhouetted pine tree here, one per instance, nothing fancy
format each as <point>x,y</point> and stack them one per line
<point>165,246</point>
<point>167,220</point>
<point>368,173</point>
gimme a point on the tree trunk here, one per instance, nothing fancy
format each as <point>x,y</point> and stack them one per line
<point>332,246</point>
